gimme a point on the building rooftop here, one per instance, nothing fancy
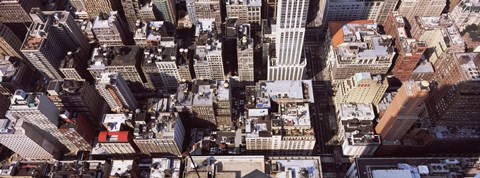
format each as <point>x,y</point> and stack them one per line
<point>244,2</point>
<point>225,166</point>
<point>154,30</point>
<point>295,167</point>
<point>469,64</point>
<point>121,167</point>
<point>202,94</point>
<point>184,96</point>
<point>415,167</point>
<point>161,128</point>
<point>424,67</point>
<point>160,54</point>
<point>360,111</point>
<point>105,20</point>
<point>113,122</point>
<point>456,132</point>
<point>114,56</point>
<point>141,30</point>
<point>357,138</point>
<point>24,100</point>
<point>86,168</point>
<point>244,41</point>
<point>165,167</point>
<point>279,91</point>
<point>36,35</point>
<point>119,136</point>
<point>222,90</point>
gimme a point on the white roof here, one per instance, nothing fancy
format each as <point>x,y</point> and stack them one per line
<point>392,173</point>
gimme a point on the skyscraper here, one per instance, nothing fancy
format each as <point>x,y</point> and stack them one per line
<point>131,9</point>
<point>16,11</point>
<point>345,10</point>
<point>288,63</point>
<point>410,50</point>
<point>167,10</point>
<point>95,7</point>
<point>9,43</point>
<point>412,8</point>
<point>115,91</point>
<point>245,53</point>
<point>403,110</point>
<point>207,9</point>
<point>361,88</point>
<point>109,29</point>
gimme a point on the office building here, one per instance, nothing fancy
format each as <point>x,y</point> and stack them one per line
<point>74,67</point>
<point>206,9</point>
<point>440,34</point>
<point>454,100</point>
<point>25,140</point>
<point>466,13</point>
<point>167,10</point>
<point>160,67</point>
<point>146,12</point>
<point>115,144</point>
<point>286,130</point>
<point>418,8</point>
<point>117,122</point>
<point>131,10</point>
<point>163,167</point>
<point>155,31</point>
<point>409,50</point>
<point>404,111</point>
<point>78,129</point>
<point>202,103</point>
<point>242,166</point>
<point>44,48</point>
<point>356,129</point>
<point>288,62</point>
<point>17,74</point>
<point>423,71</point>
<point>344,10</point>
<point>85,168</point>
<point>245,11</point>
<point>78,97</point>
<point>208,60</point>
<point>36,109</point>
<point>361,88</point>
<point>163,135</point>
<point>124,168</point>
<point>9,43</point>
<point>472,40</point>
<point>356,46</point>
<point>413,167</point>
<point>245,53</point>
<point>16,11</point>
<point>125,60</point>
<point>64,23</point>
<point>222,103</point>
<point>96,7</point>
<point>115,91</point>
<point>110,30</point>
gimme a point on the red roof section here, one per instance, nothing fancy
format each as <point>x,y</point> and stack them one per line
<point>122,136</point>
<point>336,32</point>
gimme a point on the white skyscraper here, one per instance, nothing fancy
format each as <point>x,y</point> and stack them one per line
<point>290,33</point>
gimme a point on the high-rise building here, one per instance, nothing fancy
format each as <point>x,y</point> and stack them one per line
<point>207,9</point>
<point>245,53</point>
<point>45,48</point>
<point>115,91</point>
<point>160,67</point>
<point>16,11</point>
<point>413,8</point>
<point>454,97</point>
<point>222,103</point>
<point>278,122</point>
<point>191,11</point>
<point>410,51</point>
<point>119,143</point>
<point>80,9</point>
<point>167,10</point>
<point>25,140</point>
<point>78,129</point>
<point>440,34</point>
<point>131,9</point>
<point>245,11</point>
<point>202,103</point>
<point>146,12</point>
<point>163,135</point>
<point>361,88</point>
<point>78,97</point>
<point>64,23</point>
<point>466,13</point>
<point>403,111</point>
<point>125,60</point>
<point>344,10</point>
<point>355,47</point>
<point>96,7</point>
<point>74,67</point>
<point>356,129</point>
<point>288,62</point>
<point>110,30</point>
<point>39,111</point>
<point>208,60</point>
<point>17,74</point>
<point>9,43</point>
